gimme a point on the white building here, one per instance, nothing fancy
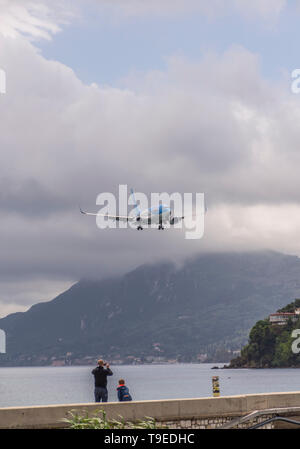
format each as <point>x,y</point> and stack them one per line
<point>282,318</point>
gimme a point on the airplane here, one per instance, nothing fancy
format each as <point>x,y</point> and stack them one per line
<point>159,215</point>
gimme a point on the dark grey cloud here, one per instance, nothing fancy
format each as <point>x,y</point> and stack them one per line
<point>30,198</point>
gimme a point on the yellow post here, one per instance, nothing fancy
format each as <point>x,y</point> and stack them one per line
<point>216,386</point>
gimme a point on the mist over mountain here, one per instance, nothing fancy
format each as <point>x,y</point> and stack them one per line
<point>161,310</point>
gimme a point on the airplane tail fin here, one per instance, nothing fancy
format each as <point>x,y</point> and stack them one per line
<point>136,207</point>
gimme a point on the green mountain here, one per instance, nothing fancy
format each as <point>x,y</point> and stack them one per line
<point>270,345</point>
<point>207,305</point>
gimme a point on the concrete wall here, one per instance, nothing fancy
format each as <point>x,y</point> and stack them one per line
<point>178,413</point>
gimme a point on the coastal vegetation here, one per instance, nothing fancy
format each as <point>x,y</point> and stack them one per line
<point>270,345</point>
<point>99,421</point>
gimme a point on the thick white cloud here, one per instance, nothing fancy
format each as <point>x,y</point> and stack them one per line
<point>213,126</point>
<point>35,19</point>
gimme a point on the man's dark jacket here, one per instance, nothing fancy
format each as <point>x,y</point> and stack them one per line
<point>101,374</point>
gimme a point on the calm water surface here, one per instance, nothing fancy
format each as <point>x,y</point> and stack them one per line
<point>58,385</point>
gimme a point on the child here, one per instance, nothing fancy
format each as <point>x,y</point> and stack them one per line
<point>123,392</point>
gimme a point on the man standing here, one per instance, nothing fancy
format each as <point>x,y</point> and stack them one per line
<point>100,373</point>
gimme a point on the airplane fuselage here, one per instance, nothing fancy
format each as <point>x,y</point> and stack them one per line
<point>154,215</point>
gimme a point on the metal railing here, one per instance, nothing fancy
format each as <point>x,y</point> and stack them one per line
<point>257,413</point>
<point>276,418</point>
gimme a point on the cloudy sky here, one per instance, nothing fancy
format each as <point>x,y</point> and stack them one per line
<point>176,96</point>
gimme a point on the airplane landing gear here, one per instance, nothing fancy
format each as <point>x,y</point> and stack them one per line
<point>139,228</point>
<point>160,227</point>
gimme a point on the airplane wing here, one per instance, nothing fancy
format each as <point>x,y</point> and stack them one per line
<point>110,217</point>
<point>177,219</point>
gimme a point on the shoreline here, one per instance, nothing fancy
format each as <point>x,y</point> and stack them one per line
<point>213,368</point>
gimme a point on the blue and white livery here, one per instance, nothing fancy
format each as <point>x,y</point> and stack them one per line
<point>159,215</point>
